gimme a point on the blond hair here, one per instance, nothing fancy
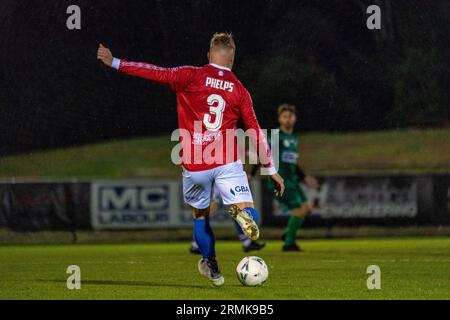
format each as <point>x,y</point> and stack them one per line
<point>222,40</point>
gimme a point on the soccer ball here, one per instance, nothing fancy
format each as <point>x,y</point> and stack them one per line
<point>252,271</point>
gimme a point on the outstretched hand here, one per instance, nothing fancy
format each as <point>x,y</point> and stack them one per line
<point>104,55</point>
<point>279,184</point>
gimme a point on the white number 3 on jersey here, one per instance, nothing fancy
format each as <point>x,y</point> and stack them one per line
<point>214,110</point>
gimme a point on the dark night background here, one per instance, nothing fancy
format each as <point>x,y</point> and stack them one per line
<point>316,54</point>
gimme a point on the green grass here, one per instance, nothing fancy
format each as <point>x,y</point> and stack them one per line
<point>411,268</point>
<point>126,158</point>
<point>398,151</point>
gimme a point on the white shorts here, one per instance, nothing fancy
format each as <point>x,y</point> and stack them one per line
<point>230,182</point>
<point>216,197</point>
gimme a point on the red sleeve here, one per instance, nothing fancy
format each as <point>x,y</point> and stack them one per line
<point>176,78</point>
<point>257,136</point>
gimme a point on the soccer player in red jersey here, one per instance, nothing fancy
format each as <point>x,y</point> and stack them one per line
<point>210,102</point>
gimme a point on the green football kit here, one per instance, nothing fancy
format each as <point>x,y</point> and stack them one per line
<point>293,197</point>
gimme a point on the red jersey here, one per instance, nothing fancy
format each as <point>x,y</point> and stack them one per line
<point>210,102</point>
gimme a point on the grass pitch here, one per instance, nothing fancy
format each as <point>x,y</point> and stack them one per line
<point>411,268</point>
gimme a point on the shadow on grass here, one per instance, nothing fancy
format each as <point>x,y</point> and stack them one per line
<point>132,283</point>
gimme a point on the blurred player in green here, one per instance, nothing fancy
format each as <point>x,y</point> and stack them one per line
<point>294,200</point>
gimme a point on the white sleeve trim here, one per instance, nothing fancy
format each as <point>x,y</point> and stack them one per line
<point>115,63</point>
<point>268,171</point>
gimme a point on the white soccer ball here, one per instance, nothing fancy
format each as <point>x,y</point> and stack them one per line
<point>252,271</point>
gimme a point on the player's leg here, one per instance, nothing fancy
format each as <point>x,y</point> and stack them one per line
<point>248,244</point>
<point>214,206</point>
<point>300,209</point>
<point>232,183</point>
<point>203,234</point>
<point>197,194</point>
<point>294,224</point>
<point>204,237</point>
<point>216,199</point>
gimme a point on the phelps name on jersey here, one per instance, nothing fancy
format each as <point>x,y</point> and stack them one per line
<point>210,102</point>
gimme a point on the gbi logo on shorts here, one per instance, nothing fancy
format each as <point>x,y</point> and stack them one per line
<point>239,190</point>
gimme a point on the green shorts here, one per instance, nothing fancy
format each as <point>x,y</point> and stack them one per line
<point>293,197</point>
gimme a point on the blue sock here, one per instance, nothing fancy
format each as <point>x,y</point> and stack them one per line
<point>253,213</point>
<point>204,237</point>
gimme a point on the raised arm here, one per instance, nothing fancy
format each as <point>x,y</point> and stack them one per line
<point>176,78</point>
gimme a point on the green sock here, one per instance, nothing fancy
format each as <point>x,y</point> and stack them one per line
<point>293,225</point>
